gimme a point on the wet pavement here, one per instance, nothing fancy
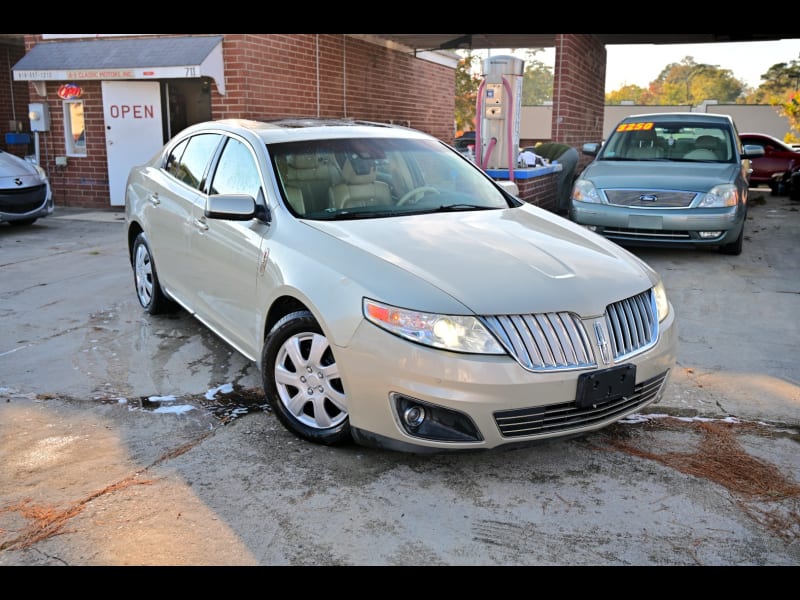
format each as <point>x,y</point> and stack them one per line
<point>131,439</point>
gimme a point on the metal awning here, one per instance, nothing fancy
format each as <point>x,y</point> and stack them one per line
<point>151,58</point>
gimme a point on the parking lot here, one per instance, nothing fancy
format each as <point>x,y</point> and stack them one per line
<point>129,439</point>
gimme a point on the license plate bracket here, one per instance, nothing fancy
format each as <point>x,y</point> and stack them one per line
<point>600,387</point>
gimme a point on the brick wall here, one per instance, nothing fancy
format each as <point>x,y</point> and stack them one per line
<point>541,191</point>
<point>14,97</point>
<point>84,181</point>
<point>332,75</point>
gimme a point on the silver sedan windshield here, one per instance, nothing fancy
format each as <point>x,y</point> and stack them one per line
<point>377,177</point>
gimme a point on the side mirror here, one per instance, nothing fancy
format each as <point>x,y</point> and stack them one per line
<point>752,151</point>
<point>591,149</point>
<point>231,207</point>
<point>509,186</point>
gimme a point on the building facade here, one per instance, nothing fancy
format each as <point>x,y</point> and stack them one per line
<point>103,103</point>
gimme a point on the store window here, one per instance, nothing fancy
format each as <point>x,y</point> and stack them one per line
<point>74,128</point>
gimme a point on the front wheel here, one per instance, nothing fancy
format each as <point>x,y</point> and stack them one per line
<point>302,382</point>
<point>735,247</point>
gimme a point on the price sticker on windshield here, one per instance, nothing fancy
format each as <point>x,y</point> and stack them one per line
<point>635,126</point>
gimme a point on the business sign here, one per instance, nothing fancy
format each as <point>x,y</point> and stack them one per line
<point>69,91</point>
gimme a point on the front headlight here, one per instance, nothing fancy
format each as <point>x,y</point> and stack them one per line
<point>584,191</point>
<point>662,304</point>
<point>41,172</point>
<point>720,196</point>
<point>458,333</point>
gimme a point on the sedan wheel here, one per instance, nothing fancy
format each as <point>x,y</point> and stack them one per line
<point>302,382</point>
<point>145,277</point>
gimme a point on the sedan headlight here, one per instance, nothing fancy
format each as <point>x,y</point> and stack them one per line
<point>662,305</point>
<point>41,173</point>
<point>720,196</point>
<point>458,333</point>
<point>584,191</point>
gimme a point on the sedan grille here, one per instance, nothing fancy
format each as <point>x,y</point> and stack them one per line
<point>24,200</point>
<point>646,234</point>
<point>558,341</point>
<point>632,324</point>
<point>563,418</point>
<point>545,341</point>
<point>650,198</point>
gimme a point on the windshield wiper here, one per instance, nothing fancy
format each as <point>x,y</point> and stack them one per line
<point>464,206</point>
<point>346,215</point>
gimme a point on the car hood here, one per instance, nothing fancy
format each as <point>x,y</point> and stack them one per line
<point>511,261</point>
<point>694,177</point>
<point>13,167</point>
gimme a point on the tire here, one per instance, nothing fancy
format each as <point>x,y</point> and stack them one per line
<point>145,279</point>
<point>302,383</point>
<point>734,248</point>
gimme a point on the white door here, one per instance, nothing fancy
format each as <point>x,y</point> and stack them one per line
<point>132,112</point>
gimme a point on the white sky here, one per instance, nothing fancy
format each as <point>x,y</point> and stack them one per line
<point>641,63</point>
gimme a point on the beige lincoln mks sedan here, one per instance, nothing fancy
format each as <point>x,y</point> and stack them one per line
<point>391,293</point>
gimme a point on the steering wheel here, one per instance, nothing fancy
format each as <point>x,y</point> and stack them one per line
<point>417,193</point>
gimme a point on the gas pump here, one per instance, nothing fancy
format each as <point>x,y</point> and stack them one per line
<point>498,109</point>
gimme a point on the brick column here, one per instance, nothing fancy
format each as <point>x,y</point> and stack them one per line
<point>579,79</point>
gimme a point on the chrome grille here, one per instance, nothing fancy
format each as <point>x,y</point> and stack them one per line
<point>563,418</point>
<point>650,198</point>
<point>646,234</point>
<point>632,324</point>
<point>544,341</point>
<point>557,341</point>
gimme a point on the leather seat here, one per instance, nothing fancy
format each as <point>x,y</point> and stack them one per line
<point>359,186</point>
<point>643,145</point>
<point>313,175</point>
<point>706,147</point>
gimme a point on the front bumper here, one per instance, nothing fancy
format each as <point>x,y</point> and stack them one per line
<point>379,370</point>
<point>661,226</point>
<point>27,203</point>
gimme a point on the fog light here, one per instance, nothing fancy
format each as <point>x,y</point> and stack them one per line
<point>414,416</point>
<point>710,235</point>
<point>433,422</point>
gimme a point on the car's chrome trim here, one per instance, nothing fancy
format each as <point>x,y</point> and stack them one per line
<point>557,341</point>
<point>541,421</point>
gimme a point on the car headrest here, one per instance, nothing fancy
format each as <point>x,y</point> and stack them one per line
<point>304,161</point>
<point>359,171</point>
<point>706,142</point>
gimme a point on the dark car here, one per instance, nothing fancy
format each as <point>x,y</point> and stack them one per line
<point>779,158</point>
<point>465,143</point>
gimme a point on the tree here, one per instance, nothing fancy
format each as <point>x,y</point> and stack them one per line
<point>779,87</point>
<point>779,79</point>
<point>686,82</point>
<point>537,80</point>
<point>631,93</point>
<point>467,84</point>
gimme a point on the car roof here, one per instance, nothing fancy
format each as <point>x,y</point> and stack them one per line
<point>765,136</point>
<point>302,128</point>
<point>679,116</point>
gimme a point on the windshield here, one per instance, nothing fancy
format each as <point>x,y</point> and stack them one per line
<point>371,177</point>
<point>680,141</point>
